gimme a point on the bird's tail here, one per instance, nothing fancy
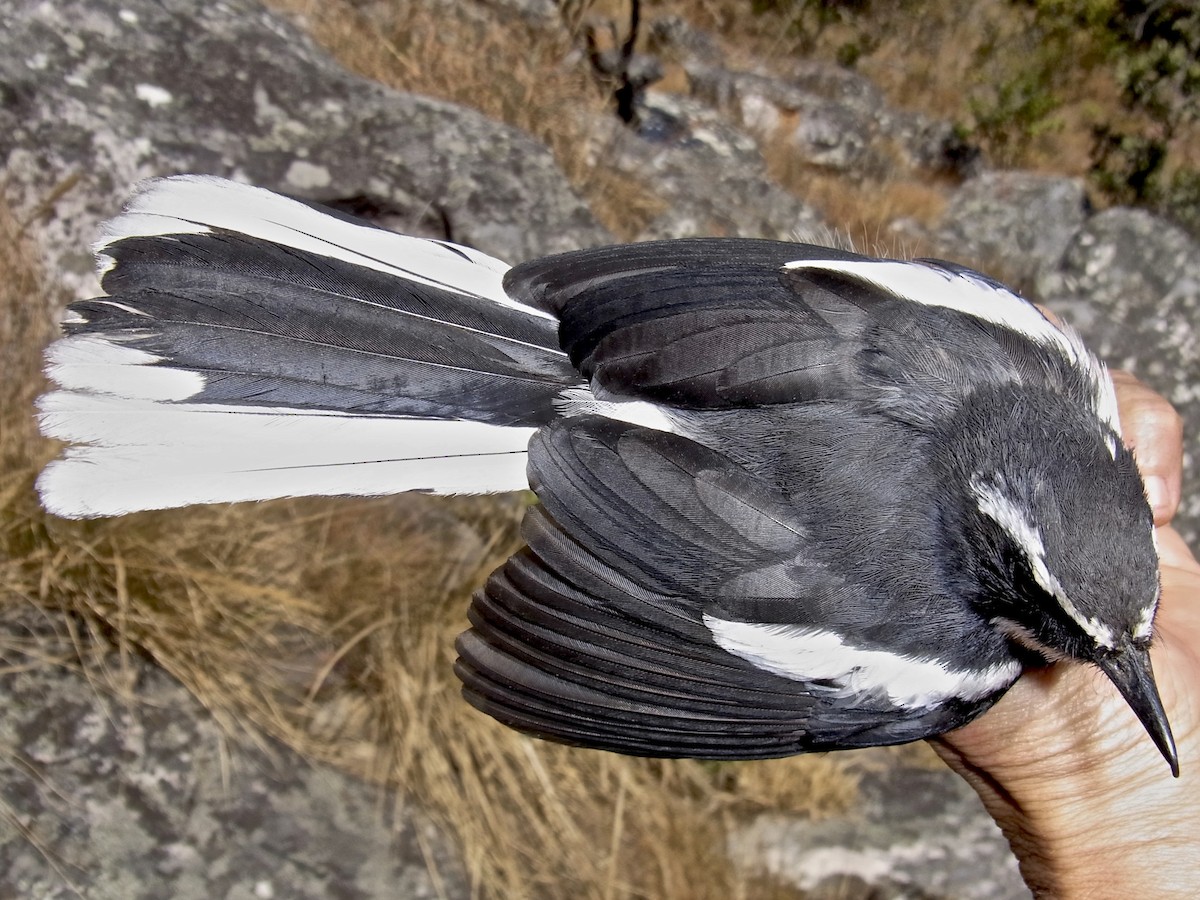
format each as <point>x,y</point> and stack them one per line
<point>251,346</point>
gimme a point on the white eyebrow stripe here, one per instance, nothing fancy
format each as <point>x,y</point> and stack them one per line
<point>809,654</point>
<point>1000,509</point>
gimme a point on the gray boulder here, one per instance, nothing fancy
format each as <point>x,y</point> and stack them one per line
<point>832,119</point>
<point>98,94</point>
<point>142,799</point>
<point>1130,282</point>
<point>821,131</point>
<point>710,176</point>
<point>1016,224</point>
<point>914,833</point>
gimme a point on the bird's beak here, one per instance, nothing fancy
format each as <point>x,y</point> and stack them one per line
<point>1130,671</point>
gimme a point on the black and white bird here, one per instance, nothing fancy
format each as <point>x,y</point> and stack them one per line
<point>790,498</point>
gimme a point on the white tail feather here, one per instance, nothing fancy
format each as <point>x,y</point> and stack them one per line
<point>138,454</point>
<point>94,364</point>
<point>144,443</point>
<point>198,204</point>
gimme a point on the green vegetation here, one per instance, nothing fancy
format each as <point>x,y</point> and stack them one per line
<point>1109,89</point>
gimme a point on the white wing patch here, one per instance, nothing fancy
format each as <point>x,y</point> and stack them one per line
<point>808,654</point>
<point>964,292</point>
<point>200,204</point>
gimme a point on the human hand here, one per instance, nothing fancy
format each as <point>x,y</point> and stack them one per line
<point>1154,431</point>
<point>1062,764</point>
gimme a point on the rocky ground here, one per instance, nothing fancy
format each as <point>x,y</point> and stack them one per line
<point>107,800</point>
<point>111,797</point>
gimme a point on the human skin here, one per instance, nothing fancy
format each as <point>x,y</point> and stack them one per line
<point>1085,799</point>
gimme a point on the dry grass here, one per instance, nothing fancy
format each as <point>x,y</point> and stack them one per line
<point>329,625</point>
<point>924,56</point>
<point>862,211</point>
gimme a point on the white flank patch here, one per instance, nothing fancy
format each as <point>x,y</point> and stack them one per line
<point>807,654</point>
<point>140,454</point>
<point>960,291</point>
<point>994,504</point>
<point>580,401</point>
<point>91,363</point>
<point>197,204</point>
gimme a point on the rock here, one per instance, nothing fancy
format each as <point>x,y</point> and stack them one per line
<point>710,175</point>
<point>108,799</point>
<point>916,833</point>
<point>1019,223</point>
<point>833,119</point>
<point>675,38</point>
<point>98,94</point>
<point>900,140</point>
<point>1130,282</point>
<point>825,132</point>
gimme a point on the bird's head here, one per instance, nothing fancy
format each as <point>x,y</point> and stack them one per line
<point>1068,547</point>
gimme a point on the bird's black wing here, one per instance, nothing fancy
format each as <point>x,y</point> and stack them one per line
<point>704,323</point>
<point>715,324</point>
<point>600,633</point>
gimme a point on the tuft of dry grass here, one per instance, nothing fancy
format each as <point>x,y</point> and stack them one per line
<point>329,624</point>
<point>863,211</point>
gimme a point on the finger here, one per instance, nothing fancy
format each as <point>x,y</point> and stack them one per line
<point>1174,552</point>
<point>1154,431</point>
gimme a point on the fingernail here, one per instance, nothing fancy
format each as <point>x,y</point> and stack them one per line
<point>1156,492</point>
